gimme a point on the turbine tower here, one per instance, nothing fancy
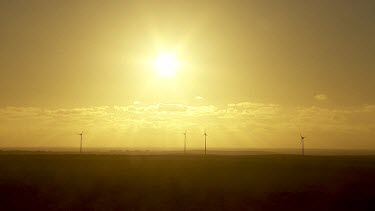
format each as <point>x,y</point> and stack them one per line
<point>185,142</point>
<point>80,148</point>
<point>205,143</point>
<point>303,143</point>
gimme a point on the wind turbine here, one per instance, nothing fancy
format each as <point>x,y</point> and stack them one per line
<point>80,148</point>
<point>303,143</point>
<point>205,143</point>
<point>185,142</point>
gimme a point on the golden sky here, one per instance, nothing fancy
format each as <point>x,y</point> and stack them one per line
<point>252,73</point>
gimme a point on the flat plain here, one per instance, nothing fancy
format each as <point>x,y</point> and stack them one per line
<point>193,182</point>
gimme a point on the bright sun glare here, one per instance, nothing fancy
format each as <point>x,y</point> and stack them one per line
<point>166,64</point>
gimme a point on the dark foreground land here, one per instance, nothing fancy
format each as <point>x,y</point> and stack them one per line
<point>172,182</point>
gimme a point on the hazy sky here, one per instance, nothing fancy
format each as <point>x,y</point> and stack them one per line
<point>253,73</point>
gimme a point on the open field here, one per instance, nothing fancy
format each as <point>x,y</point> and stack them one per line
<point>176,182</point>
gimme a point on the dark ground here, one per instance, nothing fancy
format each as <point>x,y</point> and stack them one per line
<point>173,182</point>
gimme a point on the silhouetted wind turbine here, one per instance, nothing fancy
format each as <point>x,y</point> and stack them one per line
<point>185,142</point>
<point>303,143</point>
<point>205,143</point>
<point>80,148</point>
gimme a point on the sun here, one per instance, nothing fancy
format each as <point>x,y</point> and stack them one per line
<point>166,64</point>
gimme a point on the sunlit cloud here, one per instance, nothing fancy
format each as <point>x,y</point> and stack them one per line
<point>172,107</point>
<point>252,125</point>
<point>321,97</point>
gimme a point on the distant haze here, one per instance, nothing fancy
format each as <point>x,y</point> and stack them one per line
<point>252,73</point>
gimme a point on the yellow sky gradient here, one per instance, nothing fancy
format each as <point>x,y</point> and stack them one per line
<point>253,73</point>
